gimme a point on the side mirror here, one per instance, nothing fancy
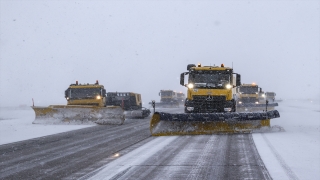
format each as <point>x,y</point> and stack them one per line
<point>190,66</point>
<point>238,80</point>
<point>103,93</point>
<point>182,79</point>
<point>66,93</point>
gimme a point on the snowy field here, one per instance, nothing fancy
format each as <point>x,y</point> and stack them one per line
<point>16,125</point>
<point>293,154</point>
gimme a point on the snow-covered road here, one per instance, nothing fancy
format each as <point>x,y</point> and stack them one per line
<point>293,154</point>
<point>190,157</point>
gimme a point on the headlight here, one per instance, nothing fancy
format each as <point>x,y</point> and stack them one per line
<point>228,86</point>
<point>263,95</point>
<point>240,102</point>
<point>257,102</point>
<point>190,86</point>
<point>98,97</point>
<point>67,98</point>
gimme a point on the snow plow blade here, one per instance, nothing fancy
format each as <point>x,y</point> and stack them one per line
<point>255,107</point>
<point>258,105</point>
<point>78,114</point>
<point>166,124</point>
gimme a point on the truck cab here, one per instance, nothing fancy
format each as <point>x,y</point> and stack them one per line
<point>126,100</point>
<point>167,96</point>
<point>270,96</point>
<point>181,97</point>
<point>248,94</point>
<point>210,88</point>
<point>86,94</point>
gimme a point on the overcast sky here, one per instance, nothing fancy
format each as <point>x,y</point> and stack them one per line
<point>143,46</point>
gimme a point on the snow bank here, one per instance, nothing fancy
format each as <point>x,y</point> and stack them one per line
<point>295,153</point>
<point>16,125</point>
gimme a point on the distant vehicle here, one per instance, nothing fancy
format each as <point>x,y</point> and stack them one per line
<point>248,94</point>
<point>130,102</point>
<point>250,97</point>
<point>85,103</point>
<point>270,96</point>
<point>181,97</point>
<point>168,99</point>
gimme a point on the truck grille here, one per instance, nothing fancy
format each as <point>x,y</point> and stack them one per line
<point>207,104</point>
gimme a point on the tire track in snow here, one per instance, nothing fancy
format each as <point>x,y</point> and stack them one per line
<point>194,173</point>
<point>283,164</point>
<point>264,170</point>
<point>117,168</point>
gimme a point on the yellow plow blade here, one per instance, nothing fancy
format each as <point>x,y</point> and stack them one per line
<point>165,124</point>
<point>77,114</point>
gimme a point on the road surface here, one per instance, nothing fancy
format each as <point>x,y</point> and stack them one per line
<point>129,152</point>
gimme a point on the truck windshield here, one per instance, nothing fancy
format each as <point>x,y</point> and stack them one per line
<point>248,90</point>
<point>83,93</point>
<point>166,93</point>
<point>270,94</point>
<point>216,80</point>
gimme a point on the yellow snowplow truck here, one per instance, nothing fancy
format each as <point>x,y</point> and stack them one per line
<point>249,99</point>
<point>168,99</point>
<point>210,106</point>
<point>86,104</point>
<point>130,102</point>
<point>262,96</point>
<point>270,96</point>
<point>181,97</point>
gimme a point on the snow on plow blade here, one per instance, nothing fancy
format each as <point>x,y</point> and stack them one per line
<point>77,114</point>
<point>255,107</point>
<point>166,124</point>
